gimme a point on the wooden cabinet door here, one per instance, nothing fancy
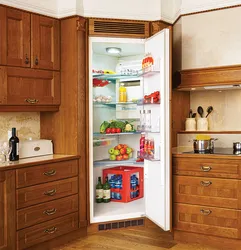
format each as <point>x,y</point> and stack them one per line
<point>29,87</point>
<point>45,42</point>
<point>7,210</point>
<point>14,37</point>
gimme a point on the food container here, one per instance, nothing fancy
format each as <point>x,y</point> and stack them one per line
<point>203,146</point>
<point>237,146</point>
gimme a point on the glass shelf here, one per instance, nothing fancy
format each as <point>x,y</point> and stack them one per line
<point>119,163</point>
<point>115,134</point>
<point>98,142</point>
<point>146,159</point>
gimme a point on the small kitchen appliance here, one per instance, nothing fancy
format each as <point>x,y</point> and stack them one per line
<point>33,148</point>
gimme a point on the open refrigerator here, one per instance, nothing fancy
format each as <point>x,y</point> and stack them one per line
<point>104,105</point>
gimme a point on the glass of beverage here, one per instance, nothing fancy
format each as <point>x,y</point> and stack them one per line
<point>5,150</point>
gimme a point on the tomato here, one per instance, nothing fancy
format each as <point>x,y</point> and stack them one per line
<point>108,130</point>
<point>113,130</point>
<point>118,130</point>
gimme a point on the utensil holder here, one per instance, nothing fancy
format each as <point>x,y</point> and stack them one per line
<point>202,124</point>
<point>190,124</point>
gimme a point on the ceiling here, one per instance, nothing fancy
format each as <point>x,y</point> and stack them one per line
<point>127,49</point>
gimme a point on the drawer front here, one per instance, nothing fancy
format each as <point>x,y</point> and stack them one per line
<point>46,192</point>
<point>206,167</point>
<point>46,172</point>
<point>46,231</point>
<point>207,191</point>
<point>47,211</point>
<point>207,220</point>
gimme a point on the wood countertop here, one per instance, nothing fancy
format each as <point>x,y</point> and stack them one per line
<point>27,162</point>
<point>179,152</point>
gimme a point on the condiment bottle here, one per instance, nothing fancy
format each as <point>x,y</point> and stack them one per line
<point>122,93</point>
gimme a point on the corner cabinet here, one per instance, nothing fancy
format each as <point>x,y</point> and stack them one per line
<point>7,210</point>
<point>29,40</point>
<point>29,90</point>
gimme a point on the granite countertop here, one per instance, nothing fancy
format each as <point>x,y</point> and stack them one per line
<point>27,162</point>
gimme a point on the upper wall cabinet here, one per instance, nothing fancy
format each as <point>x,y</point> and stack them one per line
<point>29,40</point>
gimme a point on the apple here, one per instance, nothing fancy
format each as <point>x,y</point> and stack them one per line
<point>125,146</point>
<point>115,147</point>
<point>119,146</point>
<point>112,157</point>
<point>128,150</point>
<point>111,151</point>
<point>119,157</point>
<point>116,152</point>
<point>123,151</point>
<point>130,155</point>
<point>125,157</point>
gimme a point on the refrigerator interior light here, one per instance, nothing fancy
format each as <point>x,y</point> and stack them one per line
<point>235,86</point>
<point>113,50</point>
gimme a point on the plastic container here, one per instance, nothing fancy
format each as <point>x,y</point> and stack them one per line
<point>148,120</point>
<point>127,183</point>
<point>202,124</point>
<point>142,120</point>
<point>190,124</point>
<point>122,93</point>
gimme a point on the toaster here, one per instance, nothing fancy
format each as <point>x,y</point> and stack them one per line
<point>33,148</point>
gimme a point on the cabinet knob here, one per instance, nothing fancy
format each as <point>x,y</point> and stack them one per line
<point>51,230</point>
<point>205,211</point>
<point>50,173</point>
<point>36,60</point>
<point>50,211</point>
<point>31,101</point>
<point>26,59</point>
<point>206,168</point>
<point>50,192</point>
<point>205,183</point>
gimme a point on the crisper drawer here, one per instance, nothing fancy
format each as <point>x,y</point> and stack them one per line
<point>46,172</point>
<point>47,211</point>
<point>207,220</point>
<point>206,167</point>
<point>46,231</point>
<point>207,191</point>
<point>46,192</point>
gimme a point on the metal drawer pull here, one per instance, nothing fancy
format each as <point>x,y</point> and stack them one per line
<point>31,101</point>
<point>205,183</point>
<point>206,168</point>
<point>205,212</point>
<point>50,172</point>
<point>50,211</point>
<point>51,192</point>
<point>51,230</point>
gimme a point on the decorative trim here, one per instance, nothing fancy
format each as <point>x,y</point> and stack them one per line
<point>30,7</point>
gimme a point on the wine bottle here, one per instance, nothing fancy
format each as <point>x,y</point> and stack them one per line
<point>106,191</point>
<point>14,143</point>
<point>99,191</point>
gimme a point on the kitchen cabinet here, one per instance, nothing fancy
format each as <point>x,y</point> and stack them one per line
<point>29,89</point>
<point>7,210</point>
<point>29,40</point>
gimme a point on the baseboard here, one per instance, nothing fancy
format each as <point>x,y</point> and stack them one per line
<point>213,241</point>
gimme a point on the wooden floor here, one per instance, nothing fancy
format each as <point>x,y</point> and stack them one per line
<point>140,238</point>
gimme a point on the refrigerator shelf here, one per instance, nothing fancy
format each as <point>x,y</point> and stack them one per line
<point>115,134</point>
<point>108,162</point>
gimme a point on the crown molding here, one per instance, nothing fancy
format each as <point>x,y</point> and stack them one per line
<point>214,4</point>
<point>30,7</point>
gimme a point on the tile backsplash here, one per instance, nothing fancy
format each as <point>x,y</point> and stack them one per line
<point>26,123</point>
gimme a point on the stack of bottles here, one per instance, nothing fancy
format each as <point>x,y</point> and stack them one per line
<point>116,185</point>
<point>134,185</point>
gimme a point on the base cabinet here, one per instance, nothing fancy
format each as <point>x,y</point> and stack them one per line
<point>7,210</point>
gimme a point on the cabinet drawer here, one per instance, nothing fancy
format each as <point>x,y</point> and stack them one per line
<point>207,191</point>
<point>207,220</point>
<point>46,231</point>
<point>46,172</point>
<point>46,192</point>
<point>206,167</point>
<point>47,211</point>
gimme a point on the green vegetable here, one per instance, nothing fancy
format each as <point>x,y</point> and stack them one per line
<point>129,127</point>
<point>104,126</point>
<point>118,124</point>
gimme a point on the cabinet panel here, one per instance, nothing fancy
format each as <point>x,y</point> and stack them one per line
<point>45,173</point>
<point>45,42</point>
<point>46,192</point>
<point>207,220</point>
<point>7,210</point>
<point>15,37</point>
<point>207,191</point>
<point>29,87</point>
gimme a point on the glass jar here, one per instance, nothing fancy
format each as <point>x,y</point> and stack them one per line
<point>142,120</point>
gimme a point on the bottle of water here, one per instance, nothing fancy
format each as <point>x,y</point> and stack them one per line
<point>112,185</point>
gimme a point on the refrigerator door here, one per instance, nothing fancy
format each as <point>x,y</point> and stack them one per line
<point>157,173</point>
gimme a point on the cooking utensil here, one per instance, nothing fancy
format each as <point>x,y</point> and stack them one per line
<point>194,115</point>
<point>203,146</point>
<point>209,110</point>
<point>190,113</point>
<point>200,111</point>
<point>237,146</point>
